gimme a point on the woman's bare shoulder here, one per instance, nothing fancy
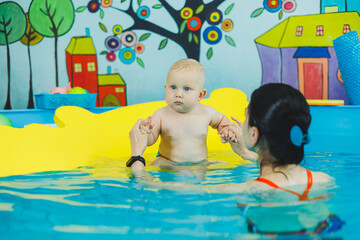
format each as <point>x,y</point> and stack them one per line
<point>321,177</point>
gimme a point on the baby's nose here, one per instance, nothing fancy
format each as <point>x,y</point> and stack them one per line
<point>179,93</point>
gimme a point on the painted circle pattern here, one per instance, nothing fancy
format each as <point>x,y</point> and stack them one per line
<point>117,29</point>
<point>227,25</point>
<point>127,55</point>
<point>214,17</point>
<point>212,35</point>
<point>128,38</point>
<point>139,48</point>
<point>110,56</point>
<point>186,13</point>
<point>289,5</point>
<point>112,43</point>
<point>194,23</point>
<point>143,12</point>
<point>106,3</point>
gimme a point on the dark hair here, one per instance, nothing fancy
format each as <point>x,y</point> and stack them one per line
<point>274,109</point>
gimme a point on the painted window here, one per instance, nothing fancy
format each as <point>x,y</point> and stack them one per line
<point>346,28</point>
<point>77,67</point>
<point>299,31</point>
<point>91,67</point>
<point>320,30</point>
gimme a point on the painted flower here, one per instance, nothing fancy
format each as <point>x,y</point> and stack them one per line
<point>289,5</point>
<point>139,48</point>
<point>194,23</point>
<point>106,3</point>
<point>212,35</point>
<point>143,12</point>
<point>93,6</point>
<point>128,38</point>
<point>127,55</point>
<point>110,56</point>
<point>227,25</point>
<point>117,29</point>
<point>214,17</point>
<point>112,43</point>
<point>272,5</point>
<point>186,13</point>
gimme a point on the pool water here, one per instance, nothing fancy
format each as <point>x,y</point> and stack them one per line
<point>83,205</point>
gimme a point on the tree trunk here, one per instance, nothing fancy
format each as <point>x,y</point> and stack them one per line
<point>8,100</point>
<point>31,97</point>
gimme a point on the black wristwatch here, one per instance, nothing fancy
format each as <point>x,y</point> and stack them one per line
<point>134,159</point>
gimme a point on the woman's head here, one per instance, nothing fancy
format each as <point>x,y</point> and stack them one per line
<point>274,109</point>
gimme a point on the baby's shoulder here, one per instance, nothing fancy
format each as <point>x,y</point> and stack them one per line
<point>321,177</point>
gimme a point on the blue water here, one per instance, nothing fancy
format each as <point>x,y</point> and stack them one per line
<point>80,205</point>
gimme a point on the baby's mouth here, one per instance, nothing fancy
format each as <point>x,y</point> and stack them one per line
<point>178,103</point>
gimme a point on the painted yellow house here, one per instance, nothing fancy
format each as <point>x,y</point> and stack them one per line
<point>299,51</point>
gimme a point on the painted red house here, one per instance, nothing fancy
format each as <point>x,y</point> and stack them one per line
<point>112,90</point>
<point>81,64</point>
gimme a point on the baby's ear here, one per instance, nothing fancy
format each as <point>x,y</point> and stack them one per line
<point>165,86</point>
<point>202,94</point>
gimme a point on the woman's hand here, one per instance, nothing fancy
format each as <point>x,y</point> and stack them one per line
<point>138,139</point>
<point>234,130</point>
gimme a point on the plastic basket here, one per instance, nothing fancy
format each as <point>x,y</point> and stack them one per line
<point>53,101</point>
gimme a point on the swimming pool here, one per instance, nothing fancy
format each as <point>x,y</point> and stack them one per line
<point>93,203</point>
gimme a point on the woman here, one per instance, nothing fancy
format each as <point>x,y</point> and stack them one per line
<point>274,132</point>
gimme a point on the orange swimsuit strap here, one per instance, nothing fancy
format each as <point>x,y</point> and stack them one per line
<point>302,197</point>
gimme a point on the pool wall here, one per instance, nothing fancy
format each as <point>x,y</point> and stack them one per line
<point>333,128</point>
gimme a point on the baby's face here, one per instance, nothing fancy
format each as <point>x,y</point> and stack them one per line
<point>182,90</point>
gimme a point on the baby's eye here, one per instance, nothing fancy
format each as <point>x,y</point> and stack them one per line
<point>186,88</point>
<point>173,87</point>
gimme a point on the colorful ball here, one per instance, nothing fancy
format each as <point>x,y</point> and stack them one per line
<point>194,23</point>
<point>58,90</point>
<point>214,17</point>
<point>143,12</point>
<point>127,55</point>
<point>5,121</point>
<point>77,90</point>
<point>212,35</point>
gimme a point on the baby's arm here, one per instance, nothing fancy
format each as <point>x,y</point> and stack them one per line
<point>218,121</point>
<point>151,126</point>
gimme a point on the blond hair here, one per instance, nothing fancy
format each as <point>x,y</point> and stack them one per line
<point>187,64</point>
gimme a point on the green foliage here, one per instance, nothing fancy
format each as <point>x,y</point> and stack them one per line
<point>230,41</point>
<point>257,12</point>
<point>52,16</point>
<point>190,37</point>
<point>13,20</point>
<point>101,13</point>
<point>139,2</point>
<point>199,9</point>
<point>102,26</point>
<point>183,25</point>
<point>31,37</point>
<point>228,10</point>
<point>196,39</point>
<point>163,43</point>
<point>281,13</point>
<point>140,62</point>
<point>209,53</point>
<point>81,9</point>
<point>103,53</point>
<point>144,37</point>
<point>157,6</point>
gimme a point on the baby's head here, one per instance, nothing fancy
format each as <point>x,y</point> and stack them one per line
<point>184,85</point>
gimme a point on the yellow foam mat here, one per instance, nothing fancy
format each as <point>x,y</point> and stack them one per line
<point>84,137</point>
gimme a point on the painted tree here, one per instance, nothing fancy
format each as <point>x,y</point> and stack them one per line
<point>189,20</point>
<point>52,18</point>
<point>30,38</point>
<point>12,28</point>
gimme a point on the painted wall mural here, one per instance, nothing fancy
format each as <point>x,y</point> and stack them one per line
<point>122,49</point>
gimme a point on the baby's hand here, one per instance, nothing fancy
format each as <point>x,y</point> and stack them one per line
<point>145,126</point>
<point>230,132</point>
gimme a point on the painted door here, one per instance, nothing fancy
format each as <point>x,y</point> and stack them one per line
<point>313,76</point>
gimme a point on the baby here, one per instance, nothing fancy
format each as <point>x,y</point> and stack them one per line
<point>183,123</point>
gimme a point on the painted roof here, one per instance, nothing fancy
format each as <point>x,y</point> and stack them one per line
<point>312,52</point>
<point>284,34</point>
<point>81,45</point>
<point>110,79</point>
